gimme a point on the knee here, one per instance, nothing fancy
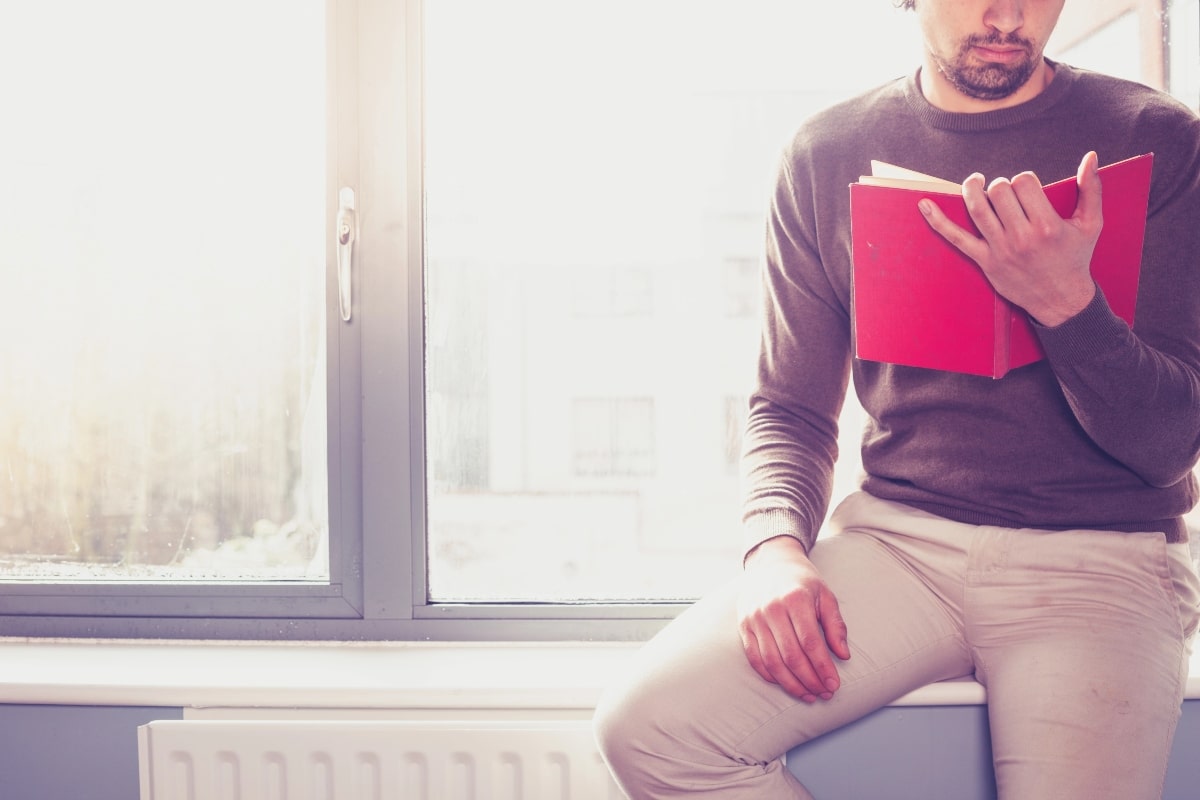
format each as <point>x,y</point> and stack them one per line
<point>619,728</point>
<point>637,738</point>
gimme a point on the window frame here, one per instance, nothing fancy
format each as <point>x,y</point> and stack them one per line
<point>378,584</point>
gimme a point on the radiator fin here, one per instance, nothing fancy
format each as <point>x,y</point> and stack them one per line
<point>275,785</point>
<point>378,760</point>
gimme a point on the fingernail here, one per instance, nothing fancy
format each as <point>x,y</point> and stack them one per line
<point>809,698</point>
<point>832,685</point>
<point>926,207</point>
<point>827,696</point>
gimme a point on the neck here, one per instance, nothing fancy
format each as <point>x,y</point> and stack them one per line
<point>943,94</point>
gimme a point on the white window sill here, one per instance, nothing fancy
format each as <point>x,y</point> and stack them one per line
<point>420,675</point>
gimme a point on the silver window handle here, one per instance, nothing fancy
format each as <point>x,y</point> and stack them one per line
<point>347,229</point>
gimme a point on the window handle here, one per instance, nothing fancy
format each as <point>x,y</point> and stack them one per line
<point>347,229</point>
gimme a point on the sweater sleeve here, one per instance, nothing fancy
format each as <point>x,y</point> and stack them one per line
<point>790,442</point>
<point>1136,392</point>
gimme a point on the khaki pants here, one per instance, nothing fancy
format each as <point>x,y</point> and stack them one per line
<point>1081,638</point>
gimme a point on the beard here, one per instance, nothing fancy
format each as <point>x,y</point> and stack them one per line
<point>988,81</point>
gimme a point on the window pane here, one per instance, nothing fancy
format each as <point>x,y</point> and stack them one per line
<point>1112,49</point>
<point>162,370</point>
<point>596,179</point>
<point>1184,50</point>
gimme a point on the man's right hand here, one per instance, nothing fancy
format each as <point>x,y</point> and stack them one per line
<point>789,621</point>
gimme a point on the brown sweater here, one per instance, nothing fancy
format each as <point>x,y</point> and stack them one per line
<point>1101,434</point>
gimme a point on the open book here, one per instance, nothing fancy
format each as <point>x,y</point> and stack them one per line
<point>918,301</point>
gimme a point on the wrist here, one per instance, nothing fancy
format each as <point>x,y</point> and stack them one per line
<point>782,546</point>
<point>1067,308</point>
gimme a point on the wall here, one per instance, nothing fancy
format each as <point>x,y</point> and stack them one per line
<point>72,752</point>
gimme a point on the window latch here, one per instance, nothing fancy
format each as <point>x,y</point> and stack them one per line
<point>347,230</point>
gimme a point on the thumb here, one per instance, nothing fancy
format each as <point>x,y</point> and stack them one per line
<point>1089,211</point>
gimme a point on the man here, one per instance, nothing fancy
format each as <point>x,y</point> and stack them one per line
<point>1026,531</point>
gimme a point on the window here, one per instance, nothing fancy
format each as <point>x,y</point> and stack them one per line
<point>613,437</point>
<point>742,287</point>
<point>162,354</point>
<point>1183,50</point>
<point>526,424</point>
<point>167,344</point>
<point>606,291</point>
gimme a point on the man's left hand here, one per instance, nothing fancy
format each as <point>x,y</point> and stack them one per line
<point>1031,255</point>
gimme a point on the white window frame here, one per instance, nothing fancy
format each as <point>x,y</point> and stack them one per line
<point>377,588</point>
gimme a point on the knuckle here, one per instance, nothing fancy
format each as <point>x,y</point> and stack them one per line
<point>977,204</point>
<point>775,606</point>
<point>798,597</point>
<point>794,656</point>
<point>811,643</point>
<point>770,659</point>
<point>1026,180</point>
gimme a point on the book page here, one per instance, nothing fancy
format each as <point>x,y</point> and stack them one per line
<point>885,174</point>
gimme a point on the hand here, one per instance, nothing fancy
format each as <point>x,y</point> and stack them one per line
<point>789,621</point>
<point>1031,255</point>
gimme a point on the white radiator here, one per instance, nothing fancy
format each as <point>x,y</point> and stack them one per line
<point>381,760</point>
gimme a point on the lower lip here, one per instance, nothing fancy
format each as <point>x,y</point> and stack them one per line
<point>1001,56</point>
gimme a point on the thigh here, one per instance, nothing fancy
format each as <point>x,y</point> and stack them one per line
<point>693,685</point>
<point>1083,651</point>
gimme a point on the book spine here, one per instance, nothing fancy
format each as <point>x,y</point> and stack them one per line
<point>1002,313</point>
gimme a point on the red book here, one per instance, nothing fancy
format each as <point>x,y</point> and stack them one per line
<point>918,301</point>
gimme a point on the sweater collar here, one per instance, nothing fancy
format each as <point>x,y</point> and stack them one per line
<point>1064,77</point>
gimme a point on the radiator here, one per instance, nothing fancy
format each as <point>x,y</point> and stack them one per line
<point>379,760</point>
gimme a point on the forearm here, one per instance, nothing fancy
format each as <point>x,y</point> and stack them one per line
<point>787,469</point>
<point>1136,403</point>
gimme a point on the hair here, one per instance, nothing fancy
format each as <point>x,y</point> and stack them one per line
<point>908,5</point>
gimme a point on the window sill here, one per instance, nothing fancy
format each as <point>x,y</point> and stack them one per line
<point>451,676</point>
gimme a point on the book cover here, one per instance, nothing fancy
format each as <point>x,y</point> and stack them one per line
<point>918,301</point>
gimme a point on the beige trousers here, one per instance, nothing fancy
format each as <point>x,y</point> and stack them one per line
<point>1081,638</point>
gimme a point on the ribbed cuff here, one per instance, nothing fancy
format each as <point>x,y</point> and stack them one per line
<point>1091,333</point>
<point>760,526</point>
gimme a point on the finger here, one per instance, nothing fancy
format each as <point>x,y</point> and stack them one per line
<point>823,639</point>
<point>765,659</point>
<point>796,676</point>
<point>806,655</point>
<point>1000,212</point>
<point>1044,219</point>
<point>1089,211</point>
<point>962,239</point>
<point>753,655</point>
<point>1007,206</point>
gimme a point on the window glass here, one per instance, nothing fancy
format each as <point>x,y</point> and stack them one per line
<point>162,368</point>
<point>1112,49</point>
<point>596,179</point>
<point>1183,31</point>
